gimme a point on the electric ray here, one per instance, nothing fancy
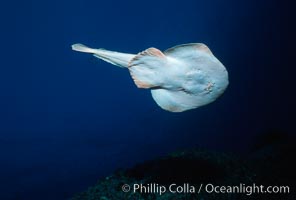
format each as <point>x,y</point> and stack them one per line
<point>181,78</point>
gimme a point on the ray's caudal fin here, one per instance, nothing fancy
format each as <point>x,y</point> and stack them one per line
<point>82,48</point>
<point>115,58</point>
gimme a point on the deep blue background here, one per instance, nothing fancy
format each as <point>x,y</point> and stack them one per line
<point>67,119</point>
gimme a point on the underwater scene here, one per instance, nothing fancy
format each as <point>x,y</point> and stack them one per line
<point>156,100</point>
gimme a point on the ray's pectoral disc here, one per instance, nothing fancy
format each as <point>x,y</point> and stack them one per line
<point>181,78</point>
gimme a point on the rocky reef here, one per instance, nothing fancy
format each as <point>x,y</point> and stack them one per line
<point>270,163</point>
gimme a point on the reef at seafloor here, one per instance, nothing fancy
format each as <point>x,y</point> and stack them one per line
<point>271,163</point>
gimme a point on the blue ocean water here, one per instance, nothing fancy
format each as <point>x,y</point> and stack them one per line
<point>67,119</point>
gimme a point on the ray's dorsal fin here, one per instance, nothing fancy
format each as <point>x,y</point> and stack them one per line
<point>184,49</point>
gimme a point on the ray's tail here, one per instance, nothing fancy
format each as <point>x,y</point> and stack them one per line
<point>115,58</point>
<point>82,48</point>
